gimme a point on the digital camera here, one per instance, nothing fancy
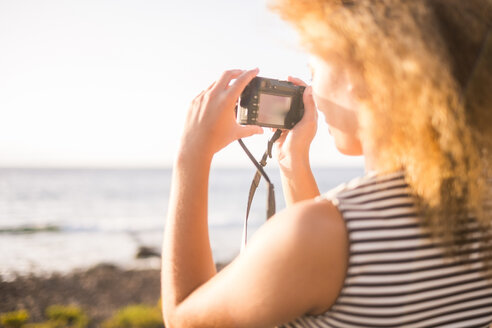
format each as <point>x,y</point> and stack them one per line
<point>271,103</point>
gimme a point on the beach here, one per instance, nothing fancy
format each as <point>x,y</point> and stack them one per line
<point>99,291</point>
<point>74,236</point>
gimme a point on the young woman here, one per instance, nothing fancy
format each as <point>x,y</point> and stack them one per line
<point>406,84</point>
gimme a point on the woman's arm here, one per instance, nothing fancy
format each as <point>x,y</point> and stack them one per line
<point>294,264</point>
<point>188,261</point>
<point>298,182</point>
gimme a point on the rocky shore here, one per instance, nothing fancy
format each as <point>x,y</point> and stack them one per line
<point>99,291</point>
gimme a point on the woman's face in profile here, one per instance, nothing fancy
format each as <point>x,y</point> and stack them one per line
<point>333,92</point>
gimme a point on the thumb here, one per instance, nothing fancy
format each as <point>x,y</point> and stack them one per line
<point>309,104</point>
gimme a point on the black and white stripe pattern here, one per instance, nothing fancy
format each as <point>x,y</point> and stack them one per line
<point>397,276</point>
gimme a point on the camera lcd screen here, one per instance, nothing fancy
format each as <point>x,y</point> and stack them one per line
<point>273,109</point>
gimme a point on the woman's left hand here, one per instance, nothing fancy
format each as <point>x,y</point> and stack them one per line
<point>210,123</point>
<point>293,145</point>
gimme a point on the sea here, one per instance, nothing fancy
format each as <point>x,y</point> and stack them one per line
<point>60,220</point>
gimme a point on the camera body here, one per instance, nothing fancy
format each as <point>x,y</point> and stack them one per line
<point>271,103</point>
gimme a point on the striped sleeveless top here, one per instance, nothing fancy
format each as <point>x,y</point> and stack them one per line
<point>397,276</point>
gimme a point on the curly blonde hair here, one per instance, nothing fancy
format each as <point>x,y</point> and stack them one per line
<point>427,71</point>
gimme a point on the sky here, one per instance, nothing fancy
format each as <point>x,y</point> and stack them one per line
<point>106,83</point>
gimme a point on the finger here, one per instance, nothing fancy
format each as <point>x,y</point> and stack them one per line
<point>242,81</point>
<point>201,93</point>
<point>309,105</point>
<point>211,86</point>
<point>296,81</point>
<point>248,130</point>
<point>226,78</point>
<point>206,90</point>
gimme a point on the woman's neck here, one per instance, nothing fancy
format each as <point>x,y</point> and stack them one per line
<point>370,163</point>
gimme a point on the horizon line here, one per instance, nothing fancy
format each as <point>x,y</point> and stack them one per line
<point>158,167</point>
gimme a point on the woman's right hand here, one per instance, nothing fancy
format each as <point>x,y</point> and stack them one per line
<point>211,122</point>
<point>293,145</point>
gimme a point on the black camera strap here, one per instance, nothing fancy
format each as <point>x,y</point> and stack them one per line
<point>256,181</point>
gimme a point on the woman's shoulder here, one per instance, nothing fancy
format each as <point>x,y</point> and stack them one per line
<point>315,213</point>
<point>314,236</point>
<point>313,220</point>
<point>314,223</point>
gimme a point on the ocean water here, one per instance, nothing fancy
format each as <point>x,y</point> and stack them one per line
<point>57,220</point>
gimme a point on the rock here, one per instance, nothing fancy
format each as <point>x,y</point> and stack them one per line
<point>146,252</point>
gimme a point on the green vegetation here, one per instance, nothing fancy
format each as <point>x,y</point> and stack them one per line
<point>47,324</point>
<point>15,319</point>
<point>66,316</point>
<point>136,316</point>
<point>62,316</point>
<point>59,316</point>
